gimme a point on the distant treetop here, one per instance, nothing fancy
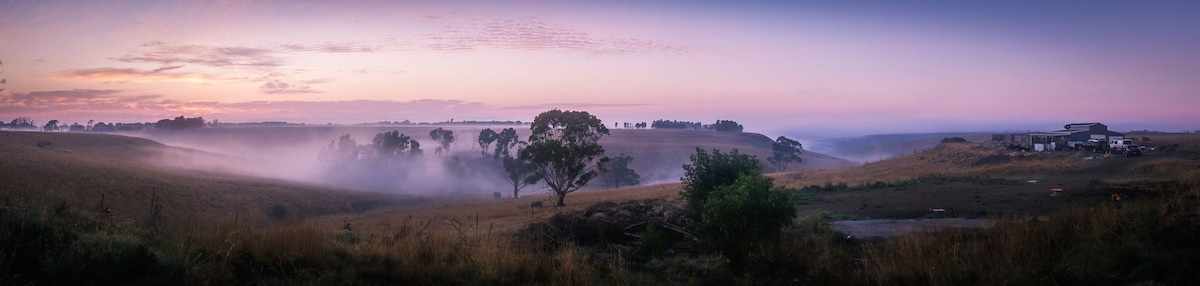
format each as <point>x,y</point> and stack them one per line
<point>180,123</point>
<point>720,125</point>
<point>954,140</point>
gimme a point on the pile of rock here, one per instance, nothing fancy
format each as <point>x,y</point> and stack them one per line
<point>611,223</point>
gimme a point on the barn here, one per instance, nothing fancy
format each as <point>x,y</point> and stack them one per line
<point>1072,136</point>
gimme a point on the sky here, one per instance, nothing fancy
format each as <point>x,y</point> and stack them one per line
<point>798,68</point>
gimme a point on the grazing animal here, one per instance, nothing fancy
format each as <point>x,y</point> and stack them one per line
<point>347,226</point>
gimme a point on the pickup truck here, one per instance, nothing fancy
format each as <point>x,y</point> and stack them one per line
<point>1093,145</point>
<point>1132,150</point>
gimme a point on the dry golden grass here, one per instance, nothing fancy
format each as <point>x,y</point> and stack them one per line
<point>84,170</point>
<point>413,253</point>
<point>218,228</point>
<point>494,215</point>
<point>948,159</point>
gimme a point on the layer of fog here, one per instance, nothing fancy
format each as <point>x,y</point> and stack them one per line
<point>291,153</point>
<point>878,147</point>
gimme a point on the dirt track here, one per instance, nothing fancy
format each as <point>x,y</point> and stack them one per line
<point>891,227</point>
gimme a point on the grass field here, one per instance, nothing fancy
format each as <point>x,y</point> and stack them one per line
<point>106,209</point>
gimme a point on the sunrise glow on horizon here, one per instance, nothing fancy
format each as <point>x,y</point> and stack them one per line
<point>825,68</point>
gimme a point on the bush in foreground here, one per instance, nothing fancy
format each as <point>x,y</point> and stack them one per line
<point>738,220</point>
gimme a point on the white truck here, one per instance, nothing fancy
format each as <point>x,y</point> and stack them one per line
<point>1120,144</point>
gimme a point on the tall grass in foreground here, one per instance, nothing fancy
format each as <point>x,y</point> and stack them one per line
<point>1150,238</point>
<point>1141,241</point>
<point>74,247</point>
<point>421,253</point>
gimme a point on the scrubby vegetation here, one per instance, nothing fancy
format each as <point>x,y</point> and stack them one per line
<point>1148,240</point>
<point>76,247</point>
<point>157,234</point>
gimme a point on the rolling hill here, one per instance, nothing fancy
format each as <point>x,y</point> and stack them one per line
<point>291,152</point>
<point>128,175</point>
<point>883,146</point>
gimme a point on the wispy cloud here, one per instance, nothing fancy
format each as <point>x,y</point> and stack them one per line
<point>208,55</point>
<point>71,100</point>
<point>329,47</point>
<point>174,56</point>
<point>120,105</point>
<point>534,34</point>
<point>574,105</point>
<point>280,87</point>
<point>127,75</point>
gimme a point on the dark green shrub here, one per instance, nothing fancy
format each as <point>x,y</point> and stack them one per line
<point>709,171</point>
<point>654,242</point>
<point>739,219</point>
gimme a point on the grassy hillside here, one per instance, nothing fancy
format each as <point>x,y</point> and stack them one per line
<point>980,158</point>
<point>218,228</point>
<point>290,152</point>
<point>132,174</point>
<point>883,146</point>
<point>659,154</point>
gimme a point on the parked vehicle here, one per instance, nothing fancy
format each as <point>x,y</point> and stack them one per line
<point>1118,144</point>
<point>1092,145</point>
<point>1133,151</point>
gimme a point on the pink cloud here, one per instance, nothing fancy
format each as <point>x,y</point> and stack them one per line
<point>329,47</point>
<point>533,34</point>
<point>127,75</point>
<point>117,105</point>
<point>280,87</point>
<point>208,55</point>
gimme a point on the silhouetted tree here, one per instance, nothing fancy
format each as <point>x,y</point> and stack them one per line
<point>387,149</point>
<point>103,127</point>
<point>180,123</point>
<point>344,150</point>
<point>77,128</point>
<point>391,147</point>
<point>22,121</point>
<point>727,126</point>
<point>505,140</point>
<point>620,174</point>
<point>672,124</point>
<point>51,126</point>
<point>486,137</point>
<point>443,137</point>
<point>565,150</point>
<point>518,172</point>
<point>785,151</point>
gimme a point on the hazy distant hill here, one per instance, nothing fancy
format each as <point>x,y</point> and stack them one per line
<point>292,151</point>
<point>883,146</point>
<point>659,155</point>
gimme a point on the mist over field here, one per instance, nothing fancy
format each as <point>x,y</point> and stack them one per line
<point>292,153</point>
<point>885,146</point>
